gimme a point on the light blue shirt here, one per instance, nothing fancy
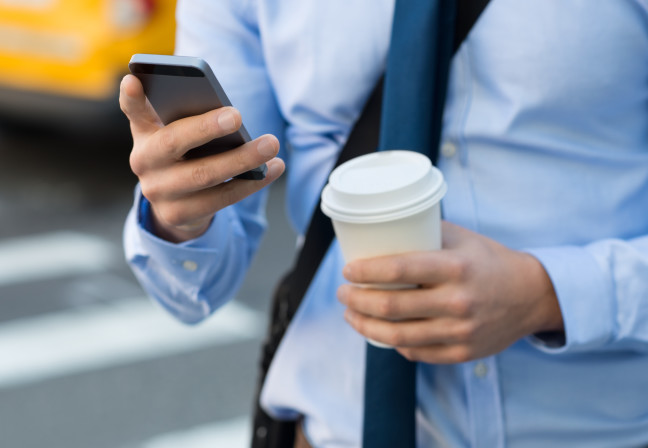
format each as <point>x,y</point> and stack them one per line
<point>545,149</point>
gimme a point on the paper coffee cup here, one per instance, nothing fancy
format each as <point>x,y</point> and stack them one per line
<point>385,203</point>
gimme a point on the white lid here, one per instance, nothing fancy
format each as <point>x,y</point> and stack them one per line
<point>382,186</point>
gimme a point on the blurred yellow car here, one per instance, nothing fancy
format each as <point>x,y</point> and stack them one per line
<point>67,57</point>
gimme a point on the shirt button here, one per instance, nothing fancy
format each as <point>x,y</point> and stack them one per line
<point>448,149</point>
<point>480,370</point>
<point>190,265</point>
<point>261,432</point>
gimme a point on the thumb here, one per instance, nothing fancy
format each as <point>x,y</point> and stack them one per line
<point>133,102</point>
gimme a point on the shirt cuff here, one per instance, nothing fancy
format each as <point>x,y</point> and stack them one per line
<point>585,297</point>
<point>205,241</point>
<point>180,269</point>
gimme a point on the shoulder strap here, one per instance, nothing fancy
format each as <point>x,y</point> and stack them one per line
<point>267,431</point>
<point>362,140</point>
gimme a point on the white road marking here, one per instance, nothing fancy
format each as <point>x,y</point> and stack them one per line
<point>233,433</point>
<point>98,336</point>
<point>53,255</point>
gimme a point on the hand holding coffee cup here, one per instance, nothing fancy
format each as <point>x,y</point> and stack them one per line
<point>385,203</point>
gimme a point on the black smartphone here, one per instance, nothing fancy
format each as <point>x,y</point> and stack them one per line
<point>182,86</point>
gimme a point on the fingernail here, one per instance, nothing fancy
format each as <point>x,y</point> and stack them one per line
<point>226,121</point>
<point>274,170</point>
<point>342,293</point>
<point>266,147</point>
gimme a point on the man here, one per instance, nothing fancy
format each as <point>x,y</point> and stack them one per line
<point>531,325</point>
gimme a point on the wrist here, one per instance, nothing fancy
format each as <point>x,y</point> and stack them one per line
<point>176,234</point>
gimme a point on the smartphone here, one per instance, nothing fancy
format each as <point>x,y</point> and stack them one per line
<point>182,86</point>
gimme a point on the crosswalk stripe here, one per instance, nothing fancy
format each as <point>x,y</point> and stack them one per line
<point>53,255</point>
<point>99,336</point>
<point>233,433</point>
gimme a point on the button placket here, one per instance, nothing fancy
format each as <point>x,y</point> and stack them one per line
<point>448,149</point>
<point>480,370</point>
<point>484,403</point>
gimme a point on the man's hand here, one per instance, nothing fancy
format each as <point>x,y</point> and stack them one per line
<point>476,298</point>
<point>185,194</point>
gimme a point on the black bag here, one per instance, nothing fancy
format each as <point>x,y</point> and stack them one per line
<point>268,432</point>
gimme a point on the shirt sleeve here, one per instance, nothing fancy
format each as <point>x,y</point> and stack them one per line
<point>194,278</point>
<point>602,290</point>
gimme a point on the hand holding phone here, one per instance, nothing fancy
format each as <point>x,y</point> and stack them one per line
<point>185,192</point>
<point>181,86</point>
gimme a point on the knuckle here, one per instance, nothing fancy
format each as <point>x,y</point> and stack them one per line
<point>396,270</point>
<point>168,139</point>
<point>137,163</point>
<point>201,175</point>
<point>395,337</point>
<point>463,305</point>
<point>150,191</point>
<point>461,354</point>
<point>206,126</point>
<point>387,306</point>
<point>459,267</point>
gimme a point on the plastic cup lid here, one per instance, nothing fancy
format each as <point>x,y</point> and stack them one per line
<point>382,186</point>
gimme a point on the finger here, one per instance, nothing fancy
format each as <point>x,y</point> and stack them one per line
<point>403,304</point>
<point>133,102</point>
<point>439,354</point>
<point>420,268</point>
<point>410,333</point>
<point>175,139</point>
<point>204,203</point>
<point>191,176</point>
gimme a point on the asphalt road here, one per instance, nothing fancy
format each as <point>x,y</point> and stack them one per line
<point>86,360</point>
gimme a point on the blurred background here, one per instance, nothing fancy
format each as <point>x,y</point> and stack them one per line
<point>86,360</point>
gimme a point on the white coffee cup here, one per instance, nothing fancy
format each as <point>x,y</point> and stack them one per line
<point>385,203</point>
